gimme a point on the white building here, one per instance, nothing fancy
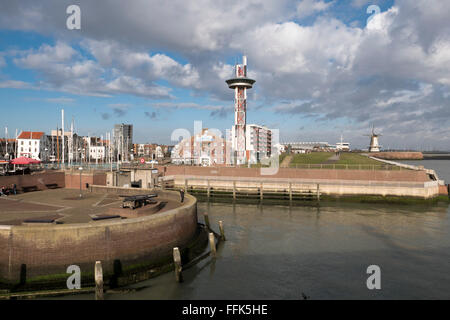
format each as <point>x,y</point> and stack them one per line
<point>258,142</point>
<point>97,152</point>
<point>342,146</point>
<point>159,154</point>
<point>32,145</point>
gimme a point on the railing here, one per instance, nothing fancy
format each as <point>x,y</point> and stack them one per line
<point>299,181</point>
<point>338,166</point>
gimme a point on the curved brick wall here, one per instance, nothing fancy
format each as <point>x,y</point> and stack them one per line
<point>51,249</point>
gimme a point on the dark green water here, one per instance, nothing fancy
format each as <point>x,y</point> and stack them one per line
<point>277,252</point>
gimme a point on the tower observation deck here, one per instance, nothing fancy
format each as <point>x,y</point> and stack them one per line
<point>240,83</point>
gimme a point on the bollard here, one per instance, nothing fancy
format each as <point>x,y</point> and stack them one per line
<point>318,192</point>
<point>177,263</point>
<point>206,219</point>
<point>290,191</point>
<point>212,244</point>
<point>234,190</point>
<point>222,232</point>
<point>98,280</point>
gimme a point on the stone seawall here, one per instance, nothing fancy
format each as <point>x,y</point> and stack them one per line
<point>418,185</point>
<point>49,250</point>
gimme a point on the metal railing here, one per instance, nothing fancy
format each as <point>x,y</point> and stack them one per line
<point>338,166</point>
<point>300,181</point>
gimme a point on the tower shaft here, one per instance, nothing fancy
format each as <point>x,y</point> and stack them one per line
<point>240,83</point>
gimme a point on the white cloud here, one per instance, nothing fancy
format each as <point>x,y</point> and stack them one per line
<point>60,100</point>
<point>344,70</point>
<point>63,68</point>
<point>306,8</point>
<point>186,105</point>
<point>14,84</point>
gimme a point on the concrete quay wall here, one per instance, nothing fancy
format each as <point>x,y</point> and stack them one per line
<point>421,189</point>
<point>49,250</point>
<point>292,173</point>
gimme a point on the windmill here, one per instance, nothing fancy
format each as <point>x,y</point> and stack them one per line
<point>374,145</point>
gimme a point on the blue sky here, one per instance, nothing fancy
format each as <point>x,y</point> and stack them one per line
<point>320,69</point>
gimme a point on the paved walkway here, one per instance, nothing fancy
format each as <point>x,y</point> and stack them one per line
<point>286,161</point>
<point>333,159</point>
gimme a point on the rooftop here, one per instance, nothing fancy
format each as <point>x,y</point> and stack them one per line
<point>30,135</point>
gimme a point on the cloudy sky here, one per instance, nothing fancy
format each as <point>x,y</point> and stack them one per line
<point>322,68</point>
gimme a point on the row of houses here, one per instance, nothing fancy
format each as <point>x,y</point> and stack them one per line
<point>73,148</point>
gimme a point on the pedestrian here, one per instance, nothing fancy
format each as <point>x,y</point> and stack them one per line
<point>14,188</point>
<point>3,191</point>
<point>182,195</point>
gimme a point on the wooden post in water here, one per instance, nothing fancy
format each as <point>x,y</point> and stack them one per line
<point>206,219</point>
<point>98,280</point>
<point>290,191</point>
<point>222,232</point>
<point>177,263</point>
<point>234,190</point>
<point>318,192</point>
<point>261,192</point>
<point>212,244</point>
<point>186,185</point>
<point>208,191</point>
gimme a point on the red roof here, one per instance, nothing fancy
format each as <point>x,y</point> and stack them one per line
<point>30,135</point>
<point>24,160</point>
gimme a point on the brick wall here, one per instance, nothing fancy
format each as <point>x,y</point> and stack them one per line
<point>72,180</point>
<point>40,180</point>
<point>443,190</point>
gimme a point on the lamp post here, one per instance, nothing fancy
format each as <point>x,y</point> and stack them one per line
<point>80,169</point>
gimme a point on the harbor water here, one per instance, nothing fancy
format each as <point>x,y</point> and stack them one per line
<point>282,252</point>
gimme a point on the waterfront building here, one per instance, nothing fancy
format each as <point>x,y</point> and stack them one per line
<point>97,153</point>
<point>258,142</point>
<point>306,147</point>
<point>207,148</point>
<point>32,145</point>
<point>123,141</point>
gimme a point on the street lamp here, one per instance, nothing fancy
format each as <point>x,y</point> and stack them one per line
<point>80,169</point>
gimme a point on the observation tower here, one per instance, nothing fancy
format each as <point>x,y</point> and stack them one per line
<point>240,83</point>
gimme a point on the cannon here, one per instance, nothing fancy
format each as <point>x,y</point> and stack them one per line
<point>138,201</point>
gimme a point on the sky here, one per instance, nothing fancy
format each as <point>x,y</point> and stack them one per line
<point>322,68</point>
